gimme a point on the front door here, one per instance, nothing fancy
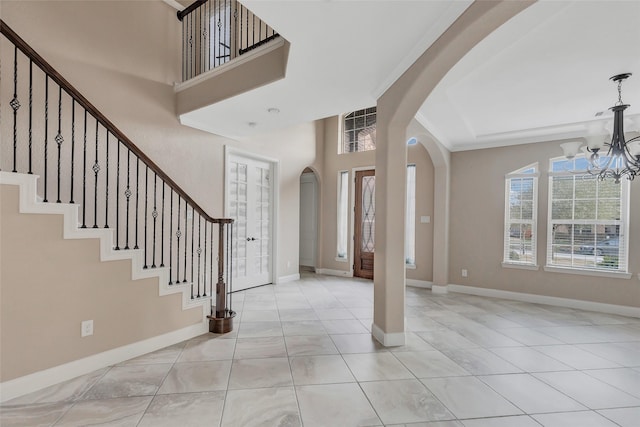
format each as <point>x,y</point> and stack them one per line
<point>249,203</point>
<point>364,220</point>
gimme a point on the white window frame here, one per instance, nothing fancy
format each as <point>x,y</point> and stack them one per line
<point>410,219</point>
<point>342,218</point>
<point>623,223</point>
<point>506,260</point>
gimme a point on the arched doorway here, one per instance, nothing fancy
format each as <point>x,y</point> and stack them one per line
<point>308,220</point>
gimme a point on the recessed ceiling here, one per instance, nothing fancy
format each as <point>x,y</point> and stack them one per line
<point>343,56</point>
<point>541,76</point>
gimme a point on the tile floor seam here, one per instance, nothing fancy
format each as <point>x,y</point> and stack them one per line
<point>160,385</point>
<point>475,319</point>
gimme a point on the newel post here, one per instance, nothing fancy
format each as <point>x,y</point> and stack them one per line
<point>221,318</point>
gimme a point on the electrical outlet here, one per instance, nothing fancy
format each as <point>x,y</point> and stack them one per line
<point>86,328</point>
<point>464,272</point>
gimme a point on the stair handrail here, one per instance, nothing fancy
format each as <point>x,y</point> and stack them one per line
<point>86,104</point>
<point>221,318</point>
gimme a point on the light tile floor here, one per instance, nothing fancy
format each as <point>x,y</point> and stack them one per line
<point>301,355</point>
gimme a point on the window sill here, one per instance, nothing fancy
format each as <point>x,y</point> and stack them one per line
<point>342,259</point>
<point>583,272</point>
<point>410,266</point>
<point>520,266</point>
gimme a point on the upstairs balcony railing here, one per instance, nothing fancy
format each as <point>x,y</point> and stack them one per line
<point>217,31</point>
<point>50,129</point>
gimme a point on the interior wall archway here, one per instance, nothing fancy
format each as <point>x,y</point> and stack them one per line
<point>309,220</point>
<point>396,109</point>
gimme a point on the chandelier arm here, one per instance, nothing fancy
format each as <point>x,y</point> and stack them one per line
<point>633,139</point>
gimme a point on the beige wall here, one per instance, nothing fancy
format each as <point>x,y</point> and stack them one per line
<point>125,57</point>
<point>50,285</point>
<point>334,163</point>
<point>477,221</point>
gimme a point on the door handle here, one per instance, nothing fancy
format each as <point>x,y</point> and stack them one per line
<point>251,239</point>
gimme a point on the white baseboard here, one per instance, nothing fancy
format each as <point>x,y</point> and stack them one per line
<point>439,289</point>
<point>388,339</point>
<point>419,283</point>
<point>48,377</point>
<point>289,278</point>
<point>621,310</point>
<point>329,272</point>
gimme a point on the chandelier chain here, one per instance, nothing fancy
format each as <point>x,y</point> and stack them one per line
<point>619,92</point>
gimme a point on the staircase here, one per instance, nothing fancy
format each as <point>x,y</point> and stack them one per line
<point>69,162</point>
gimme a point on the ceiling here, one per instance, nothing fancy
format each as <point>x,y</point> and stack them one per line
<point>343,56</point>
<point>543,75</point>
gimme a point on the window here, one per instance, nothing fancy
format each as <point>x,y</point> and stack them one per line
<point>520,223</point>
<point>587,219</point>
<point>410,226</point>
<point>359,131</point>
<point>343,213</point>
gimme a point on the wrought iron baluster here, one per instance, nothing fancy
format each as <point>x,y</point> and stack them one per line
<point>73,145</point>
<point>184,50</point>
<point>137,199</point>
<point>46,134</point>
<point>96,169</point>
<point>247,27</point>
<point>15,104</point>
<point>199,251</point>
<point>162,227</point>
<point>234,27</point>
<point>186,239</point>
<point>204,268</point>
<point>154,214</point>
<point>146,199</point>
<point>59,139</point>
<point>239,45</point>
<point>220,41</point>
<point>118,198</point>
<point>178,234</point>
<point>202,36</point>
<point>127,194</point>
<point>190,46</point>
<point>193,220</point>
<point>30,116</point>
<point>209,35</point>
<point>211,267</point>
<point>84,173</point>
<point>106,180</point>
<point>225,32</point>
<point>171,239</point>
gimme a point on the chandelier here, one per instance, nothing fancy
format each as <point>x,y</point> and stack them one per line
<point>622,158</point>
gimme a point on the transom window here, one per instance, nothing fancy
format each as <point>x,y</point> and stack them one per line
<point>359,131</point>
<point>521,206</point>
<point>588,218</point>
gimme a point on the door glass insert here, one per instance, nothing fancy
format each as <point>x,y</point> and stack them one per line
<point>368,213</point>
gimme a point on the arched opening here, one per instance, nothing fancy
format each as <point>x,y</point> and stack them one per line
<point>308,220</point>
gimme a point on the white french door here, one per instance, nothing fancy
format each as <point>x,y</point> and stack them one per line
<point>249,196</point>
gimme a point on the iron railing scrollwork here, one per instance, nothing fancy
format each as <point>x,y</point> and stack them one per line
<point>216,31</point>
<point>120,184</point>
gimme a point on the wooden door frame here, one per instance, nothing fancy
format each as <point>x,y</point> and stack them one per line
<point>352,216</point>
<point>357,213</point>
<point>275,198</point>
